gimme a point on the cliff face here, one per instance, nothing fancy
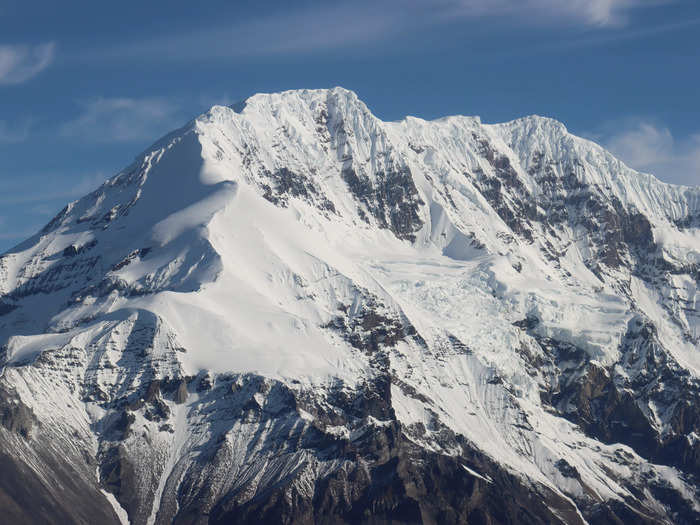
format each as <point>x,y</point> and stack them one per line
<point>291,311</point>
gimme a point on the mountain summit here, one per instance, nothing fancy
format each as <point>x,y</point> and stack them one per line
<point>290,311</point>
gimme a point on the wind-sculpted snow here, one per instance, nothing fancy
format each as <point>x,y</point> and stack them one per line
<point>291,311</point>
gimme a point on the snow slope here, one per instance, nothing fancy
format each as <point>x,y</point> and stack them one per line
<point>290,274</point>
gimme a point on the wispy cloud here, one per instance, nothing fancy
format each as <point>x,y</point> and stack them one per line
<point>27,209</point>
<point>19,63</point>
<point>18,235</point>
<point>13,133</point>
<point>651,147</point>
<point>284,33</point>
<point>358,25</point>
<point>25,192</point>
<point>586,12</point>
<point>123,119</point>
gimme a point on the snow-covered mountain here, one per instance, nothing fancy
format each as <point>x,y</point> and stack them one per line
<point>291,311</point>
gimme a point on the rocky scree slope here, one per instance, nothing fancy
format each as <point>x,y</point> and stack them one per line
<point>290,311</point>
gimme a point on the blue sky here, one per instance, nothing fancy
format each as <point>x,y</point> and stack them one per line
<point>85,86</point>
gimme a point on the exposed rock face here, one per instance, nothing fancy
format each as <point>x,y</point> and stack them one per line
<point>15,416</point>
<point>393,201</point>
<point>290,311</point>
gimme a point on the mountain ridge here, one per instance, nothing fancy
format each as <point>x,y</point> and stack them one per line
<point>295,310</point>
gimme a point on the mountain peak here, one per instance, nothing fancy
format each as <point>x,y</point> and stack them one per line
<point>336,96</point>
<point>279,296</point>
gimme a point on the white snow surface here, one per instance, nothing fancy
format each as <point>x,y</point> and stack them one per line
<point>231,282</point>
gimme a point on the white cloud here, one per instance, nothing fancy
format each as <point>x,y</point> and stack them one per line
<point>643,144</point>
<point>357,25</point>
<point>123,119</point>
<point>20,63</point>
<point>285,32</point>
<point>649,147</point>
<point>586,12</point>
<point>600,12</point>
